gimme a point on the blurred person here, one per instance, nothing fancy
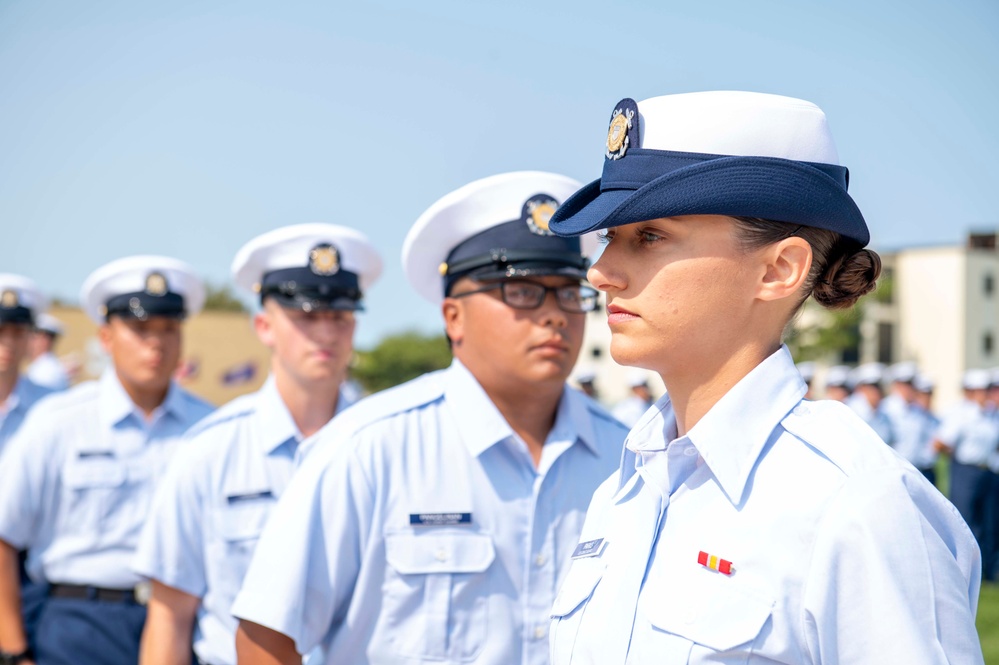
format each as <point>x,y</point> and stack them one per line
<point>213,503</point>
<point>77,479</point>
<point>969,434</point>
<point>45,368</point>
<point>21,306</point>
<point>586,377</point>
<point>923,404</point>
<point>907,420</point>
<point>867,397</point>
<point>433,521</point>
<point>631,409</point>
<point>837,383</point>
<point>807,372</point>
<point>747,525</point>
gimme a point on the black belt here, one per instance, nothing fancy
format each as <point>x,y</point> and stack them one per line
<point>80,592</point>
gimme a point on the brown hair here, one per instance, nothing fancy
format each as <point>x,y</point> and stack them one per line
<point>842,271</point>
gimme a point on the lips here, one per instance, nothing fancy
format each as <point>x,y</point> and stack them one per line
<point>617,314</point>
<point>552,345</point>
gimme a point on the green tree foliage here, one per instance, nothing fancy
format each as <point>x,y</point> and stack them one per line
<point>399,358</point>
<point>222,299</point>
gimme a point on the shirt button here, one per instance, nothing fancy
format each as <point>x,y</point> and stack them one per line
<point>540,560</point>
<point>690,451</point>
<point>441,555</point>
<point>539,632</point>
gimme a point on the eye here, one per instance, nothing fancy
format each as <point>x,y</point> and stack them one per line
<point>604,237</point>
<point>648,236</point>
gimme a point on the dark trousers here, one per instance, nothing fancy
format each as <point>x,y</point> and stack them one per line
<point>32,598</point>
<point>972,491</point>
<point>74,631</point>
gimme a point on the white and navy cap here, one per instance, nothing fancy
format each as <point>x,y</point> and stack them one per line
<point>141,287</point>
<point>637,377</point>
<point>903,372</point>
<point>868,374</point>
<point>807,371</point>
<point>923,383</point>
<point>20,299</point>
<point>741,154</point>
<point>976,379</point>
<point>493,228</point>
<point>309,267</point>
<point>585,374</point>
<point>994,377</point>
<point>838,376</point>
<point>47,323</point>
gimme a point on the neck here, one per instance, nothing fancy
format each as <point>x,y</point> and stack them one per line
<point>529,410</point>
<point>310,406</point>
<point>698,385</point>
<point>147,399</point>
<point>8,381</point>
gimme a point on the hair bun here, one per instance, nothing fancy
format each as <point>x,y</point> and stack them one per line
<point>847,279</point>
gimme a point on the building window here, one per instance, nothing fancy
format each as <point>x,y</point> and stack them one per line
<point>987,343</point>
<point>988,284</point>
<point>886,334</point>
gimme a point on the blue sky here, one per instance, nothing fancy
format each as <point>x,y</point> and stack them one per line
<point>187,127</point>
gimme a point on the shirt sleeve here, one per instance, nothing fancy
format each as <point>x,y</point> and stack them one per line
<point>171,548</point>
<point>28,473</point>
<point>894,577</point>
<point>304,590</point>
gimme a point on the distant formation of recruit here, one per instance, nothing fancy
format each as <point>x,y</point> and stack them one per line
<point>489,512</point>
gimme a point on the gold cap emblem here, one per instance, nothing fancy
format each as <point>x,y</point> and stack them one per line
<point>324,260</point>
<point>156,284</point>
<point>619,133</point>
<point>442,268</point>
<point>9,299</point>
<point>539,211</point>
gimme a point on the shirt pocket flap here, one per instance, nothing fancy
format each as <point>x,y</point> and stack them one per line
<point>244,521</point>
<point>713,612</point>
<point>583,577</point>
<point>420,554</point>
<point>94,472</point>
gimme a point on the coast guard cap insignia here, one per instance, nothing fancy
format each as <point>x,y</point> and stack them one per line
<point>156,284</point>
<point>324,260</point>
<point>623,130</point>
<point>8,299</point>
<point>538,211</point>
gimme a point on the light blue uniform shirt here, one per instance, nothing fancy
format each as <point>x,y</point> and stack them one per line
<point>841,552</point>
<point>876,418</point>
<point>420,531</point>
<point>77,480</point>
<point>971,432</point>
<point>912,428</point>
<point>212,505</point>
<point>19,402</point>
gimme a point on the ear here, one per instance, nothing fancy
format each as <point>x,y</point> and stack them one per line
<point>106,336</point>
<point>454,320</point>
<point>263,326</point>
<point>786,269</point>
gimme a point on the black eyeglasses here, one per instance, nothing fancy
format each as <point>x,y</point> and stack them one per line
<point>520,294</point>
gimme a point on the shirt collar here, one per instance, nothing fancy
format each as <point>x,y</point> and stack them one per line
<point>116,405</point>
<point>733,433</point>
<point>275,426</point>
<point>481,425</point>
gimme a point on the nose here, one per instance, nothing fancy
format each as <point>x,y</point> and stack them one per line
<point>604,274</point>
<point>551,314</point>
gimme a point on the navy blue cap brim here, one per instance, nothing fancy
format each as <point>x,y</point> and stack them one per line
<point>764,187</point>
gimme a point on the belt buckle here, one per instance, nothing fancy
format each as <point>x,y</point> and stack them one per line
<point>143,590</point>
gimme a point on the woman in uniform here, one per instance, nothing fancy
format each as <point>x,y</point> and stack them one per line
<point>745,524</point>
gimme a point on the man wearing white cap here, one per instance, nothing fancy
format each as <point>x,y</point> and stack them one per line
<point>867,396</point>
<point>45,369</point>
<point>77,480</point>
<point>434,521</point>
<point>969,433</point>
<point>837,383</point>
<point>20,307</point>
<point>908,420</point>
<point>631,409</point>
<point>219,492</point>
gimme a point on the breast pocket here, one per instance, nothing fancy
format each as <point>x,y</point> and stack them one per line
<point>570,605</point>
<point>436,594</point>
<point>238,528</point>
<point>91,485</point>
<point>707,616</point>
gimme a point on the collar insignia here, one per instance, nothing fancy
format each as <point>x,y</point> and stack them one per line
<point>324,260</point>
<point>623,130</point>
<point>156,284</point>
<point>9,299</point>
<point>537,212</point>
